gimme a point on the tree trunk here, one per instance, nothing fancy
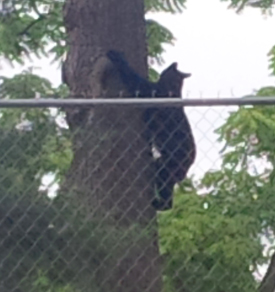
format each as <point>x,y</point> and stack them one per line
<point>111,174</point>
<point>268,282</point>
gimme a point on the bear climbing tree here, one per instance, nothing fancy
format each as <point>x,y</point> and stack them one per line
<point>168,129</point>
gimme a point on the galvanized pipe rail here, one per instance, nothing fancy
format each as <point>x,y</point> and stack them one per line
<point>143,102</point>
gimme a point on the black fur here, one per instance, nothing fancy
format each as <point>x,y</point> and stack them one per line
<point>168,129</point>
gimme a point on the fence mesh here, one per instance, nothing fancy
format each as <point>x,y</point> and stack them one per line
<point>79,192</point>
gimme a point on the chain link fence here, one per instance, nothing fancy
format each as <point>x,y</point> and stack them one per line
<point>80,187</point>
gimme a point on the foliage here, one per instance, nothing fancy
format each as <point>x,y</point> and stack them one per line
<point>239,5</point>
<point>171,6</point>
<point>271,56</point>
<point>206,248</point>
<point>157,36</point>
<point>44,284</point>
<point>40,144</point>
<point>31,27</point>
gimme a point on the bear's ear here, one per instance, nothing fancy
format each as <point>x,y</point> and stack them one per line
<point>175,65</point>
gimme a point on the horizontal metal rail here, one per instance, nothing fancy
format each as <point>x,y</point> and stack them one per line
<point>145,102</point>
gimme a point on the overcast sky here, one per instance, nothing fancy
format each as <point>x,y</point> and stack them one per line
<point>226,52</point>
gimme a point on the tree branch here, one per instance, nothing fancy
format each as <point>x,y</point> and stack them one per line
<point>26,29</point>
<point>40,17</point>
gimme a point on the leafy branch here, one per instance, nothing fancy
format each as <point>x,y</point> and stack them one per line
<point>40,18</point>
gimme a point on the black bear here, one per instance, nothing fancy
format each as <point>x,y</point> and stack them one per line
<point>168,129</point>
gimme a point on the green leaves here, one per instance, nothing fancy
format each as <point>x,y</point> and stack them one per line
<point>239,5</point>
<point>30,28</point>
<point>24,85</point>
<point>271,60</point>
<point>157,36</point>
<point>32,141</point>
<point>207,248</point>
<point>171,6</point>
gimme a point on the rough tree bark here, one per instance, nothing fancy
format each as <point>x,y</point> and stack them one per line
<point>268,282</point>
<point>111,174</point>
